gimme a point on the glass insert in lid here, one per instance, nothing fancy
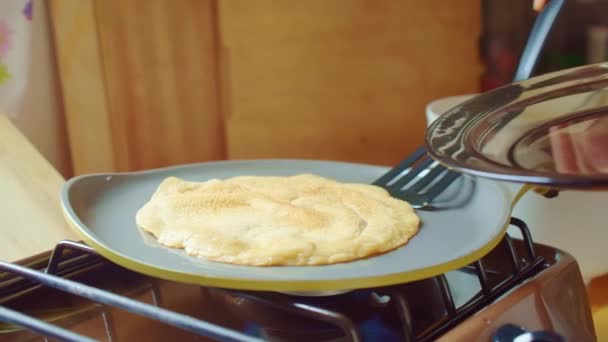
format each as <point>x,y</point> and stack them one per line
<point>548,130</point>
<point>577,146</point>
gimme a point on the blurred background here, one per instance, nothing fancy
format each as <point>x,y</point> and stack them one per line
<point>109,85</point>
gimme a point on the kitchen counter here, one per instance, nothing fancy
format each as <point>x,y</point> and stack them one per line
<point>30,213</point>
<point>31,221</point>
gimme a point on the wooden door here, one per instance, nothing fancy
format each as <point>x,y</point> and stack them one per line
<point>150,83</point>
<point>139,81</point>
<point>341,79</point>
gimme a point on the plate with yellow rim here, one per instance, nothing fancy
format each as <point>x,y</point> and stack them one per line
<point>101,209</point>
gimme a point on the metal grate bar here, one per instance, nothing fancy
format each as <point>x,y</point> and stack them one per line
<point>446,293</point>
<point>108,325</point>
<point>346,324</point>
<point>513,257</point>
<point>62,259</point>
<point>335,318</point>
<point>41,327</point>
<point>490,293</point>
<point>476,303</point>
<point>525,233</point>
<point>166,316</point>
<point>66,258</point>
<point>405,315</point>
<point>483,277</point>
<point>57,255</point>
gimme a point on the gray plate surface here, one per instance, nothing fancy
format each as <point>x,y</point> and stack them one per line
<point>102,207</point>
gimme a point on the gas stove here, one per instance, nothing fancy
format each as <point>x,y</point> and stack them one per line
<point>520,291</point>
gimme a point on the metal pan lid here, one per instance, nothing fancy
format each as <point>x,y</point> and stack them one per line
<point>549,130</point>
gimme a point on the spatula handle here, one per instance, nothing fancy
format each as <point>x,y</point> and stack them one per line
<point>536,40</point>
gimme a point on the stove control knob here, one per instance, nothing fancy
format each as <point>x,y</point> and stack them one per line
<point>512,333</point>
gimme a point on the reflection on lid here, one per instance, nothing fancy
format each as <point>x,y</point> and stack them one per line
<point>553,133</point>
<point>577,146</point>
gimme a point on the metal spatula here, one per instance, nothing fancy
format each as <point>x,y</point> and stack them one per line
<point>418,179</point>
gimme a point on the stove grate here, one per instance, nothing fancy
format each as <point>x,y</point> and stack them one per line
<point>69,256</point>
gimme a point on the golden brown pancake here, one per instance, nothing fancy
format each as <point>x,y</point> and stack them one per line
<point>262,221</point>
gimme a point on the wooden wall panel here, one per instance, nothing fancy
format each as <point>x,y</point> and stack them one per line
<point>140,82</point>
<point>341,79</point>
<point>160,73</point>
<point>82,86</point>
<point>31,216</point>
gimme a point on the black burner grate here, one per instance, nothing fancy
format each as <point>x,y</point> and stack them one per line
<point>68,257</point>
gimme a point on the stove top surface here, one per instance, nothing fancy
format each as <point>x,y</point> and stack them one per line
<point>423,310</point>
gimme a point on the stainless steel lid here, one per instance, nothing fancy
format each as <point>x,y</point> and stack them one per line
<point>548,130</point>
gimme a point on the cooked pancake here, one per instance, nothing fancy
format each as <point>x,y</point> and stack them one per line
<point>263,221</point>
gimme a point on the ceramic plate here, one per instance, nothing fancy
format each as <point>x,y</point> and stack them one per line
<point>101,208</point>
